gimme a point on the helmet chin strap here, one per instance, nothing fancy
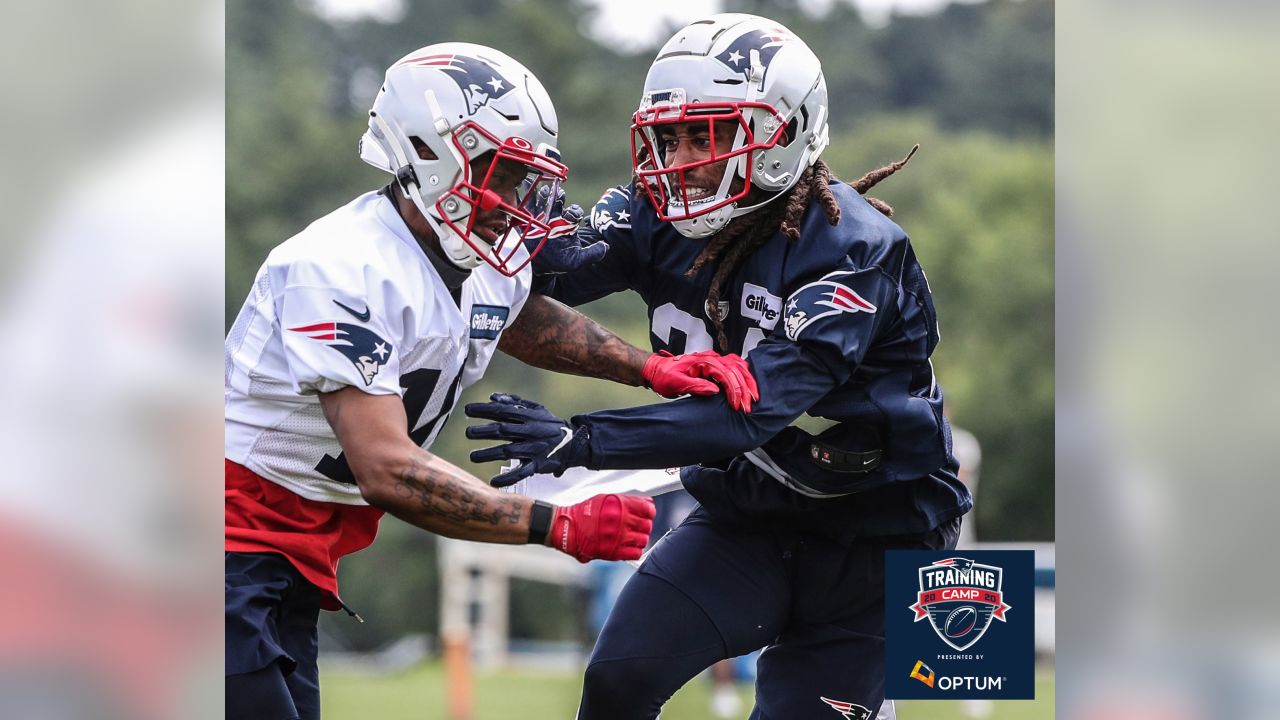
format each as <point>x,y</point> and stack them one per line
<point>706,225</point>
<point>454,247</point>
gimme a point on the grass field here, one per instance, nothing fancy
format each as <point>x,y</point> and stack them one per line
<point>419,695</point>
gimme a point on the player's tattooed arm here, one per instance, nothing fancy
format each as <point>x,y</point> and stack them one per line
<point>550,335</point>
<point>396,475</point>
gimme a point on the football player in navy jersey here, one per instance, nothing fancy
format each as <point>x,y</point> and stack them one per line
<point>358,336</point>
<point>738,239</point>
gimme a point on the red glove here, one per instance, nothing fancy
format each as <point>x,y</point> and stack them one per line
<point>605,527</point>
<point>675,375</point>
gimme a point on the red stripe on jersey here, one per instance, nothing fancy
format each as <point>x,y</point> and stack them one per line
<point>314,328</point>
<point>262,516</point>
<point>853,300</point>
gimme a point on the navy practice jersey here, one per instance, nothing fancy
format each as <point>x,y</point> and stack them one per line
<point>837,327</point>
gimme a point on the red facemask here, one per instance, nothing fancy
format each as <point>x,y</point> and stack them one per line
<point>667,186</point>
<point>526,216</point>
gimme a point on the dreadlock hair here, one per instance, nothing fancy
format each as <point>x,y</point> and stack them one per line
<point>746,233</point>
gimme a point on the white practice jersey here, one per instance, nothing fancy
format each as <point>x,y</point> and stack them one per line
<point>353,300</point>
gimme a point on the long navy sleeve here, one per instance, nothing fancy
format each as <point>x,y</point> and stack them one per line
<point>703,430</point>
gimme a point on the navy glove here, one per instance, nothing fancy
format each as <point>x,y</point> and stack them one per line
<point>543,442</point>
<point>570,243</point>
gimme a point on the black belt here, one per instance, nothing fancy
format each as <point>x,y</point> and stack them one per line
<point>831,458</point>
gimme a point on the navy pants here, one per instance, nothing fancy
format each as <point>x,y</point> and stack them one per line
<point>271,617</point>
<point>710,591</point>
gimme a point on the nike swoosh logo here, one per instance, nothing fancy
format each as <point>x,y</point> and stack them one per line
<point>568,435</point>
<point>362,317</point>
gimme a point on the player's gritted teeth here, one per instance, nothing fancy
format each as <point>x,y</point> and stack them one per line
<point>490,229</point>
<point>695,193</point>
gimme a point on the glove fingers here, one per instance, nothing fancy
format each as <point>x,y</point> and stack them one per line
<point>593,253</point>
<point>496,431</point>
<point>513,399</point>
<point>513,476</point>
<point>740,367</point>
<point>635,505</point>
<point>503,407</point>
<point>503,431</point>
<point>573,213</point>
<point>639,523</point>
<point>699,387</point>
<point>491,454</point>
<point>491,411</point>
<point>518,450</point>
<point>726,379</point>
<point>636,539</point>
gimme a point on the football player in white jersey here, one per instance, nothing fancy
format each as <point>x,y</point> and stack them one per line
<point>361,331</point>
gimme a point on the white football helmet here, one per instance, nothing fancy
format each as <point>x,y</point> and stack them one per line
<point>740,68</point>
<point>461,101</point>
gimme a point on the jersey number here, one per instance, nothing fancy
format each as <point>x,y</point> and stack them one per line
<point>419,386</point>
<point>696,338</point>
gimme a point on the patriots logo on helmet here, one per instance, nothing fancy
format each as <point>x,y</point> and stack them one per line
<point>363,347</point>
<point>477,79</point>
<point>849,710</point>
<point>826,297</point>
<point>752,52</point>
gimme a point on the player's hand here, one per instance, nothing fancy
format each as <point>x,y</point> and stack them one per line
<point>570,243</point>
<point>702,373</point>
<point>541,441</point>
<point>605,527</point>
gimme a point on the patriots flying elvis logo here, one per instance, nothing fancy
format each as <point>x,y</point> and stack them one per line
<point>849,710</point>
<point>363,347</point>
<point>820,299</point>
<point>960,598</point>
<point>477,79</point>
<point>751,53</point>
<point>612,209</point>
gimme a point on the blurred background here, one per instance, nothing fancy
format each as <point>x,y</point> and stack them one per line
<point>971,82</point>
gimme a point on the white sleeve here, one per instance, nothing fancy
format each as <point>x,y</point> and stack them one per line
<point>336,334</point>
<point>578,484</point>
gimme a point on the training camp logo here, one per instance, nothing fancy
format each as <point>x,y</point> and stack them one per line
<point>848,710</point>
<point>960,598</point>
<point>820,299</point>
<point>363,347</point>
<point>751,53</point>
<point>478,80</point>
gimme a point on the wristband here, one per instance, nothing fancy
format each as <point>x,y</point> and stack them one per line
<point>540,522</point>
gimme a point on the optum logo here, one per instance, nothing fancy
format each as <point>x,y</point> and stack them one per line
<point>970,682</point>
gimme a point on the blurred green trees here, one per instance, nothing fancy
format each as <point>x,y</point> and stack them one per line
<point>973,84</point>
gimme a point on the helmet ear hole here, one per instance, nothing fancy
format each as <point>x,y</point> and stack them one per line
<point>789,133</point>
<point>424,152</point>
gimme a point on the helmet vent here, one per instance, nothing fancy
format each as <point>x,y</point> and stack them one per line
<point>730,81</point>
